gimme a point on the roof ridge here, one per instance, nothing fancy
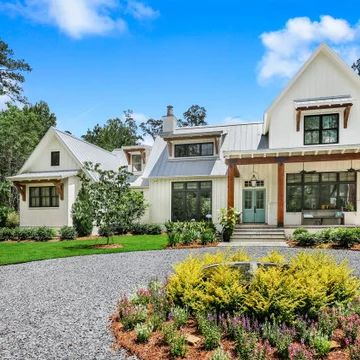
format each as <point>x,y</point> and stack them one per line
<point>219,125</point>
<point>84,141</point>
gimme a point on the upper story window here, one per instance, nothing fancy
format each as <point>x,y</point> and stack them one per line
<point>196,149</point>
<point>136,163</point>
<point>321,129</point>
<point>55,158</point>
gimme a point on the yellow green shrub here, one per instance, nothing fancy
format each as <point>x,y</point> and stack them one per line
<point>307,284</point>
<point>273,257</point>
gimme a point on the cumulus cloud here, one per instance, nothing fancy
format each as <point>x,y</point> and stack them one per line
<point>76,18</point>
<point>288,48</point>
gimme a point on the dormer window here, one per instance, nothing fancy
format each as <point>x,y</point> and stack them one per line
<point>55,158</point>
<point>321,129</point>
<point>136,163</point>
<point>196,149</point>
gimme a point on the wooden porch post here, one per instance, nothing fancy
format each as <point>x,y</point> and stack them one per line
<point>281,194</point>
<point>230,185</point>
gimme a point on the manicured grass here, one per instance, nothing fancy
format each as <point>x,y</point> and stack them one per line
<point>19,252</point>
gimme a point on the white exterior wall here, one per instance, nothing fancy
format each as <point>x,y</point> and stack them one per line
<point>160,197</point>
<point>53,217</point>
<point>322,78</point>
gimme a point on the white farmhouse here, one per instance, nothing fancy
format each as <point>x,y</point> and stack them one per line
<point>297,167</point>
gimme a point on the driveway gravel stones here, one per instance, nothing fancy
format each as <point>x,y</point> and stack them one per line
<point>59,309</point>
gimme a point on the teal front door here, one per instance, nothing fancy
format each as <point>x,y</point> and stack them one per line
<point>254,206</point>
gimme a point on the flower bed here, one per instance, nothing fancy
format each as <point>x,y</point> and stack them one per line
<point>308,308</point>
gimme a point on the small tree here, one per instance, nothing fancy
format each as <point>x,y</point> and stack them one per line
<point>194,116</point>
<point>82,213</point>
<point>113,203</point>
<point>152,127</point>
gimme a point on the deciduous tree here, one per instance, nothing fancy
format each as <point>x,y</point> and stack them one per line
<point>194,116</point>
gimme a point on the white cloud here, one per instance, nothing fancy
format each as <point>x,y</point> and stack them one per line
<point>76,18</point>
<point>141,11</point>
<point>288,48</point>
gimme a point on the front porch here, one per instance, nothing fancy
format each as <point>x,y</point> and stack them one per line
<point>293,186</point>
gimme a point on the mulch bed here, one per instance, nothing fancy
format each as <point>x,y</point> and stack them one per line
<point>156,348</point>
<point>107,246</point>
<point>192,246</point>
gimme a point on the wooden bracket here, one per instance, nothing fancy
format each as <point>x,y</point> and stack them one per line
<point>346,115</point>
<point>21,189</point>
<point>59,187</point>
<point>298,119</point>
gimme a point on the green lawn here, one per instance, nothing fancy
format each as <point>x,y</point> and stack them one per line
<point>19,252</point>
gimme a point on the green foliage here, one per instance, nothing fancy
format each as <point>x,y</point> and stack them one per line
<point>41,233</point>
<point>310,283</point>
<point>194,116</point>
<point>300,352</point>
<point>343,237</point>
<point>12,219</point>
<point>220,354</point>
<point>210,331</point>
<point>20,131</point>
<point>247,346</point>
<point>186,233</point>
<point>273,257</point>
<point>67,233</point>
<point>178,347</point>
<point>115,133</point>
<point>355,350</point>
<point>169,332</point>
<point>227,220</point>
<point>82,214</point>
<point>112,201</point>
<point>130,314</point>
<point>143,332</point>
<point>11,74</point>
<point>152,127</point>
<point>320,343</point>
<point>180,316</point>
<point>145,229</point>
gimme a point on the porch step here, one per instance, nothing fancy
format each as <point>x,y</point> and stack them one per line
<point>258,234</point>
<point>260,243</point>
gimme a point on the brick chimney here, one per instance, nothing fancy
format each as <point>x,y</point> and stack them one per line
<point>169,121</point>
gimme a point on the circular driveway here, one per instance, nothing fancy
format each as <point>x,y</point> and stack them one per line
<point>59,309</point>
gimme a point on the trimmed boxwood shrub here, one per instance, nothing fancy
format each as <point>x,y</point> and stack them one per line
<point>41,233</point>
<point>67,233</point>
<point>145,229</point>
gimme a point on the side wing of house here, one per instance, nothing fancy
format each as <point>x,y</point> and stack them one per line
<point>48,184</point>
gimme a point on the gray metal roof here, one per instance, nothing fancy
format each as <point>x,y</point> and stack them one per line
<point>51,175</point>
<point>237,137</point>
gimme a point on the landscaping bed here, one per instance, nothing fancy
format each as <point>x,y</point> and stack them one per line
<point>333,238</point>
<point>212,308</point>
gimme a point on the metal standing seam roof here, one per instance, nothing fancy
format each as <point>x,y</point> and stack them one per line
<point>237,137</point>
<point>51,175</point>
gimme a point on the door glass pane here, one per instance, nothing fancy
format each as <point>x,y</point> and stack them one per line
<point>178,186</point>
<point>328,195</point>
<point>330,121</point>
<point>248,199</point>
<point>205,185</point>
<point>191,185</point>
<point>312,137</point>
<point>191,208</point>
<point>178,206</point>
<point>205,204</point>
<point>260,199</point>
<point>312,122</point>
<point>311,197</point>
<point>329,137</point>
<point>293,178</point>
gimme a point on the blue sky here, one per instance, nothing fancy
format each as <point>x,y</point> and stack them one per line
<point>92,59</point>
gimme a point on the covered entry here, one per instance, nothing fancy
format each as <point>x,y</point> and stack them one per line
<point>253,206</point>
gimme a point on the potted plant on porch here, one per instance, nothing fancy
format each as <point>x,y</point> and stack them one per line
<point>228,218</point>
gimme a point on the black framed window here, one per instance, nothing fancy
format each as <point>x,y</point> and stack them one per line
<point>321,191</point>
<point>191,200</point>
<point>196,149</point>
<point>321,129</point>
<point>55,158</point>
<point>43,196</point>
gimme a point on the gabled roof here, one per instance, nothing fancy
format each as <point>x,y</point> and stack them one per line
<point>322,49</point>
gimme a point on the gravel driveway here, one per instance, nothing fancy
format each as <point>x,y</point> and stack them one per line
<point>59,309</point>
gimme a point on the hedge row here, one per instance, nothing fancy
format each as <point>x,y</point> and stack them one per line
<point>343,237</point>
<point>41,233</point>
<point>135,229</point>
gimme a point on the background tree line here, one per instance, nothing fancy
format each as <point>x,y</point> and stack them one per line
<point>22,125</point>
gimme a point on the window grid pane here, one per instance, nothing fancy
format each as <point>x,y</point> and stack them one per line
<point>43,196</point>
<point>321,129</point>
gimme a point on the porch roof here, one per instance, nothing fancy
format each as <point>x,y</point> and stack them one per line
<point>46,175</point>
<point>319,150</point>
